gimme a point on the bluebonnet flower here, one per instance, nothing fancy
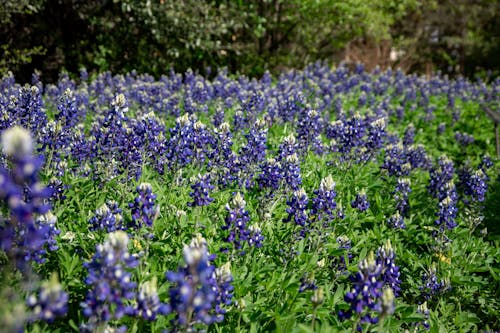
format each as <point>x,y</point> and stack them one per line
<point>254,152</point>
<point>401,196</point>
<point>28,110</point>
<point>464,139</point>
<point>270,176</point>
<point>58,189</point>
<point>255,237</point>
<point>148,302</point>
<point>323,204</point>
<point>364,297</point>
<point>107,217</point>
<point>201,191</point>
<point>236,223</point>
<point>422,309</point>
<point>288,147</point>
<point>49,302</point>
<point>202,141</point>
<point>389,272</point>
<point>218,117</point>
<point>370,294</point>
<point>115,146</point>
<point>47,224</point>
<point>153,131</point>
<point>388,304</point>
<point>199,292</point>
<point>222,283</point>
<point>223,160</point>
<point>144,209</point>
<point>473,183</point>
<point>485,164</point>
<point>179,152</point>
<point>376,134</point>
<point>417,157</point>
<point>447,211</point>
<point>291,177</point>
<point>396,221</point>
<point>441,128</point>
<point>395,161</point>
<point>307,282</point>
<point>297,209</point>
<point>109,281</point>
<point>309,128</point>
<point>361,202</point>
<point>440,176</point>
<point>430,285</point>
<point>409,136</point>
<point>24,237</point>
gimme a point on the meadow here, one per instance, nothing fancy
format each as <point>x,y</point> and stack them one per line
<point>321,200</point>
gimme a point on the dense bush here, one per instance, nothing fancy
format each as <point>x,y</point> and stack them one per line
<point>245,36</point>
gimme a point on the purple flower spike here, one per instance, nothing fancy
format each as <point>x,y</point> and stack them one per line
<point>199,292</point>
<point>144,209</point>
<point>109,281</point>
<point>201,191</point>
<point>361,202</point>
<point>49,303</point>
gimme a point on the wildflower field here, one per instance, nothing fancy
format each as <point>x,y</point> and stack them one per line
<point>321,200</point>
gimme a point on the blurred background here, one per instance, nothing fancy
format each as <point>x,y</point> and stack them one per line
<point>455,37</point>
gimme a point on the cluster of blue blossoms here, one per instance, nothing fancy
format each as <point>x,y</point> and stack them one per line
<point>29,232</point>
<point>199,292</point>
<point>236,222</point>
<point>375,286</point>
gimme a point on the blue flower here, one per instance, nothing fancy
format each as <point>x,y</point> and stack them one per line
<point>148,302</point>
<point>107,217</point>
<point>49,303</point>
<point>297,209</point>
<point>109,281</point>
<point>24,236</point>
<point>401,196</point>
<point>201,191</point>
<point>360,202</point>
<point>323,204</point>
<point>236,224</point>
<point>199,292</point>
<point>144,208</point>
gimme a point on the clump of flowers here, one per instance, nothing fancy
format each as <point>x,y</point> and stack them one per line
<point>431,286</point>
<point>199,292</point>
<point>396,221</point>
<point>323,204</point>
<point>201,191</point>
<point>473,183</point>
<point>375,286</point>
<point>361,201</point>
<point>364,297</point>
<point>148,302</point>
<point>236,223</point>
<point>107,217</point>
<point>109,281</point>
<point>49,302</point>
<point>401,194</point>
<point>297,210</point>
<point>23,236</point>
<point>144,208</point>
